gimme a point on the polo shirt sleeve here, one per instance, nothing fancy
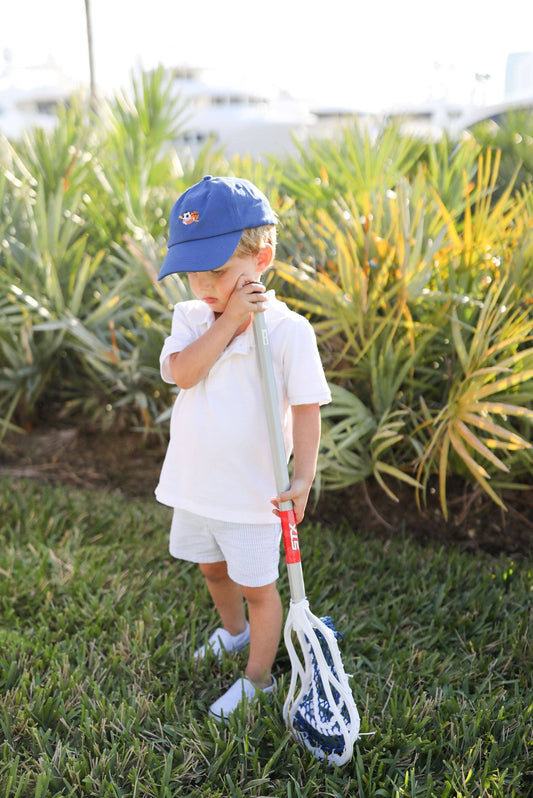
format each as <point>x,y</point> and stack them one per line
<point>304,377</point>
<point>184,331</point>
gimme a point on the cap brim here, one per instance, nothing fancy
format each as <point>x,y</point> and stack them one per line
<point>200,255</point>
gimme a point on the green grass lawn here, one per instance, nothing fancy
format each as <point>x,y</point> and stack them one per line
<point>101,695</point>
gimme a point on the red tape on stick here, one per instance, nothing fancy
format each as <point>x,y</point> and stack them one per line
<point>290,536</point>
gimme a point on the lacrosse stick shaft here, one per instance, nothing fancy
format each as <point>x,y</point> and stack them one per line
<point>281,472</point>
<point>323,715</point>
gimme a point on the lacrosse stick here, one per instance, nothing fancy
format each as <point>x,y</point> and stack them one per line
<point>319,708</point>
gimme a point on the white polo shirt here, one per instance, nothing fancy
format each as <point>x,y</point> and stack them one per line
<point>218,462</point>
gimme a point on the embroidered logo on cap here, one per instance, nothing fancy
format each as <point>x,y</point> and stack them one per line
<point>189,217</point>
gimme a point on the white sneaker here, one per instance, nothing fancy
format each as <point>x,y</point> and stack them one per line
<point>221,641</point>
<point>242,690</point>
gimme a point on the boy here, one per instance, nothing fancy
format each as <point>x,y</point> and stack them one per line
<point>217,473</point>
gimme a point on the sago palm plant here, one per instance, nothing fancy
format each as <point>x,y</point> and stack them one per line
<point>52,286</point>
<point>448,166</point>
<point>357,161</point>
<point>135,163</point>
<point>60,157</point>
<point>477,425</point>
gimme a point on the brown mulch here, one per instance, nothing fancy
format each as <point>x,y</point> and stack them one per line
<point>129,462</point>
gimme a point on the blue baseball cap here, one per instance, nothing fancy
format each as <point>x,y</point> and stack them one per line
<point>207,221</point>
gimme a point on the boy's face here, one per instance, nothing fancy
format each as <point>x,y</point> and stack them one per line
<point>215,287</point>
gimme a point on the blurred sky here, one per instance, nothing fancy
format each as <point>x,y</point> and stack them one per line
<point>369,54</point>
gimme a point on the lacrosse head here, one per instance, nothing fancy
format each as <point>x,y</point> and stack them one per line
<point>320,708</point>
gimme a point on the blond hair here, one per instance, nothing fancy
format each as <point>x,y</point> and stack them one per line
<point>255,238</point>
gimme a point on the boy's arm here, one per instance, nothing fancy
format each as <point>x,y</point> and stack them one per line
<point>196,360</point>
<point>306,441</point>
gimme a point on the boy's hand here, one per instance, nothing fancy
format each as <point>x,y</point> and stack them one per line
<point>298,493</point>
<point>247,297</point>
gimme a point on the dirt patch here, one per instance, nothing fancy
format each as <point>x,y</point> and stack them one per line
<point>130,463</point>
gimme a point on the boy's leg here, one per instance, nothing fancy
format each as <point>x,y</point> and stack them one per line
<point>265,615</point>
<point>227,596</point>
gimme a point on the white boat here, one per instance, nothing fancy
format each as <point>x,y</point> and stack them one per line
<point>430,120</point>
<point>239,117</point>
<point>30,96</point>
